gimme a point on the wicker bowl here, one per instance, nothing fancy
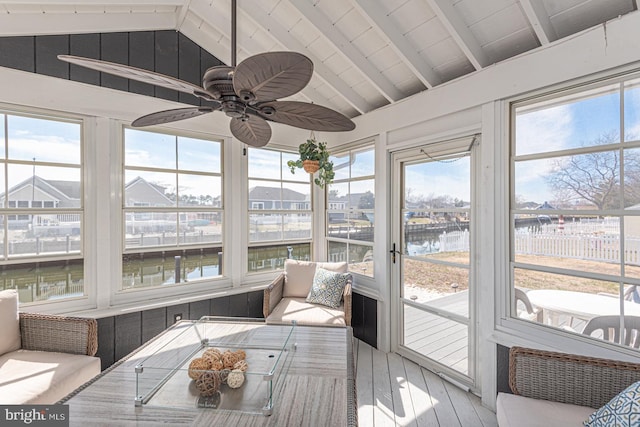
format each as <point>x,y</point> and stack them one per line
<point>311,166</point>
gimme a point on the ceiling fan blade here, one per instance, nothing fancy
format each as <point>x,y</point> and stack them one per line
<point>272,75</point>
<point>254,131</point>
<point>168,116</point>
<point>308,116</point>
<point>134,73</point>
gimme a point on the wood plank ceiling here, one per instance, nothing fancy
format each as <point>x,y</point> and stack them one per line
<point>366,53</point>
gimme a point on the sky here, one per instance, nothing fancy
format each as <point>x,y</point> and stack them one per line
<point>149,149</point>
<point>574,124</point>
<point>439,178</point>
<point>44,140</point>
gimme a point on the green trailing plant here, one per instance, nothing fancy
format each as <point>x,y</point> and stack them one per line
<point>314,151</point>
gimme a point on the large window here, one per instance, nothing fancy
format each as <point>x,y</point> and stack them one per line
<point>173,209</point>
<point>41,207</point>
<point>575,209</point>
<point>350,205</point>
<point>279,202</point>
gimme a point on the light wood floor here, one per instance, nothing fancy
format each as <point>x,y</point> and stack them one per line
<point>395,391</point>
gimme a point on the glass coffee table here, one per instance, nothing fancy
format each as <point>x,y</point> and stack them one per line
<point>163,378</point>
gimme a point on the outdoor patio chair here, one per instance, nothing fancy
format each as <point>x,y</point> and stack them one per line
<point>530,312</point>
<point>610,329</point>
<point>630,294</point>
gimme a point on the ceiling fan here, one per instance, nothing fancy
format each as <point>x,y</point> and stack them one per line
<point>247,93</point>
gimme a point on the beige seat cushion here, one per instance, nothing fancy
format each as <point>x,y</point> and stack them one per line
<point>10,321</point>
<point>289,309</point>
<point>520,411</point>
<point>43,377</point>
<point>298,275</point>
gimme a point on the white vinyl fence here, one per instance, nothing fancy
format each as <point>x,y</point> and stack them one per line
<point>594,247</point>
<point>454,241</point>
<point>587,240</point>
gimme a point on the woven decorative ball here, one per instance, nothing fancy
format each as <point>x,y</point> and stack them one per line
<point>211,358</point>
<point>197,367</point>
<point>241,365</point>
<point>241,354</point>
<point>224,374</point>
<point>216,364</point>
<point>235,379</point>
<point>208,383</point>
<point>229,359</point>
<point>213,352</point>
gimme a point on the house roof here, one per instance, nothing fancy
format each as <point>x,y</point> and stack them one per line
<point>273,193</point>
<point>353,199</point>
<point>69,190</point>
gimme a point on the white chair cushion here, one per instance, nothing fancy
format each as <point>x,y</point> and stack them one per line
<point>304,313</point>
<point>298,276</point>
<point>337,267</point>
<point>10,321</point>
<point>43,377</point>
<point>520,411</point>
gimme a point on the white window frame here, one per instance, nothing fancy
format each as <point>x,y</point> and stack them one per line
<point>119,296</point>
<point>255,275</point>
<point>87,253</point>
<point>368,145</point>
<point>511,331</point>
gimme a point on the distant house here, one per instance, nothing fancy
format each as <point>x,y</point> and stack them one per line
<point>36,192</point>
<point>140,192</point>
<point>275,198</point>
<point>344,203</point>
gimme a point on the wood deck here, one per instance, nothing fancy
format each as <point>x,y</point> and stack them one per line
<point>443,340</point>
<point>393,391</point>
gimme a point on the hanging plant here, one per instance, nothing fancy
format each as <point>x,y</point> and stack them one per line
<point>314,157</point>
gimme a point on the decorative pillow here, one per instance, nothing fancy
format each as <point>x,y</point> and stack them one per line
<point>10,321</point>
<point>621,411</point>
<point>327,287</point>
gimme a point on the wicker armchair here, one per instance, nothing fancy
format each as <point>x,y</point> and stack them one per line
<point>559,389</point>
<point>280,306</point>
<point>48,356</point>
<point>63,334</point>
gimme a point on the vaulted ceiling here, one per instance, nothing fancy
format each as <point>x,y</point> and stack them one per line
<point>366,53</point>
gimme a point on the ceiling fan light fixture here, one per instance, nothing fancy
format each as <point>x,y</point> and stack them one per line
<point>267,110</point>
<point>246,96</point>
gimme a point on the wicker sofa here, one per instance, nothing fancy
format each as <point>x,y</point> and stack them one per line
<point>557,389</point>
<point>43,357</point>
<point>285,297</point>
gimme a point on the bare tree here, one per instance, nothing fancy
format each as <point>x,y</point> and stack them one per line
<point>595,177</point>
